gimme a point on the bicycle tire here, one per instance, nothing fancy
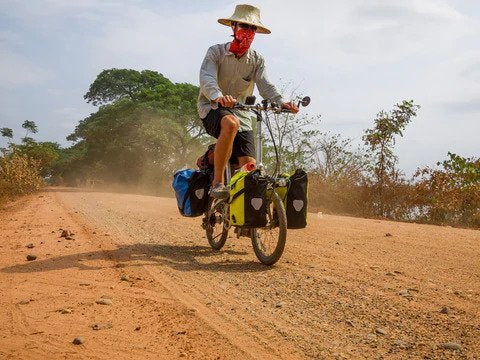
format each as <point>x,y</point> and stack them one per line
<point>266,259</point>
<point>216,241</point>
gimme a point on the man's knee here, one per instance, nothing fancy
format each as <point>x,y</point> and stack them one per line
<point>229,124</point>
<point>242,160</point>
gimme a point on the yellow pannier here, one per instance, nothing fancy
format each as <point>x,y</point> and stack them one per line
<point>248,199</point>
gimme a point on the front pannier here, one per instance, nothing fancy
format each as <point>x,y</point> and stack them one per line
<point>297,200</point>
<point>248,199</point>
<point>191,190</point>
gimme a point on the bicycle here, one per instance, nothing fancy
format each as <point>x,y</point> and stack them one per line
<point>216,219</point>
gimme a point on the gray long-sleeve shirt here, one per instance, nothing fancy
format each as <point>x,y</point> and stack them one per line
<point>223,74</point>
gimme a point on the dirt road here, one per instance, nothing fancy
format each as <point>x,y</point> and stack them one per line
<point>344,289</point>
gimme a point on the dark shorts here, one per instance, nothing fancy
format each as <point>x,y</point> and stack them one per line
<point>244,143</point>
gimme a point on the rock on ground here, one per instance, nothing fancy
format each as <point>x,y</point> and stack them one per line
<point>451,346</point>
<point>78,340</point>
<point>104,301</point>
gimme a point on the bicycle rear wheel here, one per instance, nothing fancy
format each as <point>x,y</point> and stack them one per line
<point>269,242</point>
<point>216,224</point>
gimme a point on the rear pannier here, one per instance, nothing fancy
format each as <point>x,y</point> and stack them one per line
<point>191,190</point>
<point>297,200</point>
<point>248,199</point>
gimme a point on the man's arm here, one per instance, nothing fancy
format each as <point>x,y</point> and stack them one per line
<point>209,82</point>
<point>208,76</point>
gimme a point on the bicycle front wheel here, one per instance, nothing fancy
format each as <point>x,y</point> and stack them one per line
<point>269,242</point>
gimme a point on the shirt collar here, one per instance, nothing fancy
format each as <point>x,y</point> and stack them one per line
<point>247,56</point>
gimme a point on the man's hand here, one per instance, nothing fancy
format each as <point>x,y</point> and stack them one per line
<point>290,106</point>
<point>226,101</point>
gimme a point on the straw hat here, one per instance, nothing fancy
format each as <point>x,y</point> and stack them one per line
<point>246,14</point>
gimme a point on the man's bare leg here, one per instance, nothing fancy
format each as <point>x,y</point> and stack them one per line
<point>223,149</point>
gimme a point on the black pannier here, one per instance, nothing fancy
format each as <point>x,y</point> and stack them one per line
<point>191,190</point>
<point>248,199</point>
<point>297,200</point>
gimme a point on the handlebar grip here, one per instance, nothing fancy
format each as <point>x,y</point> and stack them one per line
<point>216,105</point>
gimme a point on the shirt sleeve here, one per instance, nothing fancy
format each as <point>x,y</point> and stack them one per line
<point>266,89</point>
<point>208,75</point>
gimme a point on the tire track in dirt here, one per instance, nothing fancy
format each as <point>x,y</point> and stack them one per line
<point>241,340</point>
<point>37,330</point>
<point>241,336</point>
<point>334,271</point>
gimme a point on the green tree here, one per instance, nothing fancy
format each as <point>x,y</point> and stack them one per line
<point>6,132</point>
<point>30,127</point>
<point>115,84</point>
<point>451,193</point>
<point>45,154</point>
<point>464,171</point>
<point>71,167</point>
<point>149,128</point>
<point>381,140</point>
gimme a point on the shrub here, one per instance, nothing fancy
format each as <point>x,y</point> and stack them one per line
<point>451,194</point>
<point>19,175</point>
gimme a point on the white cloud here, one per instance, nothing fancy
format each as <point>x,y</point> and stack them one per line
<point>143,38</point>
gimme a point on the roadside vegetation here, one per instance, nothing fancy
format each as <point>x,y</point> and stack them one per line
<point>24,166</point>
<point>146,127</point>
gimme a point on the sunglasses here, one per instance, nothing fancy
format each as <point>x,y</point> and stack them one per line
<point>247,26</point>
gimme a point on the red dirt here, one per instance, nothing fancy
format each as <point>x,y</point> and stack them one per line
<point>333,292</point>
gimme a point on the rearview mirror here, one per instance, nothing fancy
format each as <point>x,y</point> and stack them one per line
<point>305,101</point>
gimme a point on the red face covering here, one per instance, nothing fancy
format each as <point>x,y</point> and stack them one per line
<point>243,40</point>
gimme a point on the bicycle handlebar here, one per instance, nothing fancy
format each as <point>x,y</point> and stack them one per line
<point>263,106</point>
<point>260,107</point>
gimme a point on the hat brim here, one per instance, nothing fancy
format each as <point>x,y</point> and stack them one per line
<point>260,28</point>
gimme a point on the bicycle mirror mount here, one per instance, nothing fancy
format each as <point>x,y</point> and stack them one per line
<point>250,100</point>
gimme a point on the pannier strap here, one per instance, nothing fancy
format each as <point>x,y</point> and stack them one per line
<point>236,195</point>
<point>235,183</point>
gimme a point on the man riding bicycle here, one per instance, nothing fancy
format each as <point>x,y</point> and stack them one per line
<point>228,74</point>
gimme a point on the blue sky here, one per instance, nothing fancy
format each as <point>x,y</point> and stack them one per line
<point>353,58</point>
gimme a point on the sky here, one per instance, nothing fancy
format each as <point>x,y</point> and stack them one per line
<point>352,57</point>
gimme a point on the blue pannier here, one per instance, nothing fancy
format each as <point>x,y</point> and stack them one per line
<point>191,190</point>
